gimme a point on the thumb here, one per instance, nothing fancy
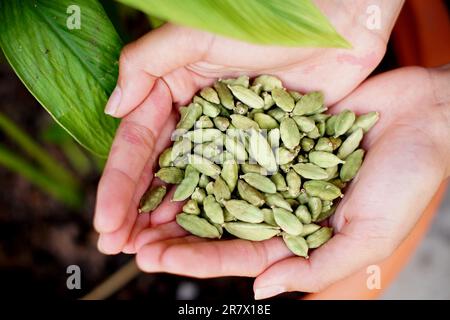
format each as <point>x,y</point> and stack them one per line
<point>150,57</point>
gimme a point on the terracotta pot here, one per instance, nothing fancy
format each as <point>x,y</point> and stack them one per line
<point>420,37</point>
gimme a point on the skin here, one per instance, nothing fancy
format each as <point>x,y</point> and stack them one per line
<point>369,223</point>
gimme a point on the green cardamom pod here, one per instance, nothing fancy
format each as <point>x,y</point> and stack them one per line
<point>283,99</point>
<point>279,181</point>
<point>236,148</point>
<point>319,237</point>
<point>350,144</point>
<point>307,144</point>
<point>253,168</point>
<point>197,226</point>
<point>198,195</point>
<point>276,200</point>
<point>296,244</point>
<point>230,173</point>
<point>247,96</point>
<point>172,175</point>
<point>225,96</point>
<point>277,113</point>
<point>221,123</point>
<point>250,194</point>
<point>191,207</point>
<point>265,121</point>
<point>243,81</point>
<point>203,135</point>
<point>324,144</point>
<point>204,180</point>
<point>221,190</point>
<point>181,148</point>
<point>290,135</point>
<point>259,182</point>
<point>262,152</point>
<point>315,207</point>
<point>327,213</point>
<point>294,183</point>
<point>273,137</point>
<point>210,188</point>
<point>204,122</point>
<point>305,124</point>
<point>209,109</point>
<point>151,199</point>
<point>244,211</point>
<point>287,221</point>
<point>322,189</point>
<point>213,210</point>
<point>204,165</point>
<point>243,123</point>
<point>296,95</point>
<point>324,159</point>
<point>188,185</point>
<point>251,231</point>
<point>352,164</point>
<point>190,116</point>
<point>268,101</point>
<point>310,171</point>
<point>329,125</point>
<point>165,159</point>
<point>365,121</point>
<point>240,108</point>
<point>335,142</point>
<point>268,217</point>
<point>285,155</point>
<point>309,104</point>
<point>309,228</point>
<point>303,214</point>
<point>344,122</point>
<point>210,95</point>
<point>268,82</point>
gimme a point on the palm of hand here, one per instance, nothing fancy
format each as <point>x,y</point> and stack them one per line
<point>369,222</point>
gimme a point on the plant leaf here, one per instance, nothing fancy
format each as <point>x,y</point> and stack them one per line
<point>277,22</point>
<point>70,72</point>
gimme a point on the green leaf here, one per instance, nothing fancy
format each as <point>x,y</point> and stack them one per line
<point>71,72</point>
<point>277,22</point>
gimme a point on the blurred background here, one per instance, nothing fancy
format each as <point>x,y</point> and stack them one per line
<point>48,188</point>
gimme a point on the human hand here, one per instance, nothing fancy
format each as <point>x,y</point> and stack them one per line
<point>407,159</point>
<point>170,64</point>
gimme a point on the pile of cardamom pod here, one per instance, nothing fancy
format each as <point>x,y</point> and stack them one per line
<point>260,161</point>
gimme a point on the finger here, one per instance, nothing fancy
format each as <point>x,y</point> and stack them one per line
<point>143,220</point>
<point>211,258</point>
<point>131,150</point>
<point>159,233</point>
<point>152,56</point>
<point>370,222</point>
<point>165,213</point>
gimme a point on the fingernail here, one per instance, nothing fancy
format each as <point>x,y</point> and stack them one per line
<point>267,292</point>
<point>114,101</point>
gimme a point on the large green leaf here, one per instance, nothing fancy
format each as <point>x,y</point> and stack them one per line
<point>282,22</point>
<point>70,72</point>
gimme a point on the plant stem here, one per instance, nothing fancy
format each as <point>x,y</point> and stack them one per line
<point>50,165</point>
<point>66,194</point>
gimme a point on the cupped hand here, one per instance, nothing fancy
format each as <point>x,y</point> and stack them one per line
<point>407,159</point>
<point>167,66</point>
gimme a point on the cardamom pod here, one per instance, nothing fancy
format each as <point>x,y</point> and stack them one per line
<point>191,207</point>
<point>243,123</point>
<point>303,214</point>
<point>322,189</point>
<point>250,194</point>
<point>204,165</point>
<point>268,82</point>
<point>230,173</point>
<point>251,231</point>
<point>305,124</point>
<point>220,190</point>
<point>350,144</point>
<point>210,95</point>
<point>151,199</point>
<point>309,104</point>
<point>351,166</point>
<point>259,182</point>
<point>187,185</point>
<point>265,121</point>
<point>204,122</point>
<point>287,221</point>
<point>283,99</point>
<point>165,159</point>
<point>290,135</point>
<point>310,171</point>
<point>225,96</point>
<point>172,175</point>
<point>197,226</point>
<point>244,211</point>
<point>213,210</point>
<point>296,244</point>
<point>279,181</point>
<point>324,159</point>
<point>365,121</point>
<point>277,200</point>
<point>309,228</point>
<point>262,152</point>
<point>190,116</point>
<point>247,96</point>
<point>319,237</point>
<point>344,122</point>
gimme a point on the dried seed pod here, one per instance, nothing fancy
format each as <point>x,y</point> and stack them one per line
<point>309,104</point>
<point>344,122</point>
<point>244,211</point>
<point>247,96</point>
<point>259,182</point>
<point>188,185</point>
<point>210,95</point>
<point>250,194</point>
<point>197,226</point>
<point>290,135</point>
<point>352,164</point>
<point>225,96</point>
<point>283,99</point>
<point>213,210</point>
<point>296,244</point>
<point>151,199</point>
<point>319,237</point>
<point>287,221</point>
<point>251,231</point>
<point>172,175</point>
<point>191,207</point>
<point>268,82</point>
